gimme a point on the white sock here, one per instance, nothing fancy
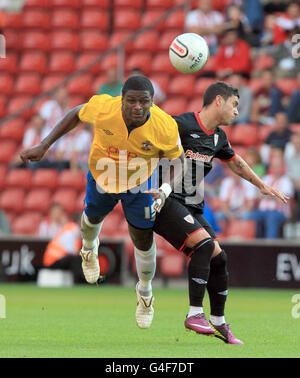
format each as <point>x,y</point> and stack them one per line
<point>195,310</point>
<point>89,232</point>
<point>145,266</point>
<point>217,320</point>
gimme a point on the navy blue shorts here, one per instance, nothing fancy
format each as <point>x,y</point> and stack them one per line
<point>137,207</point>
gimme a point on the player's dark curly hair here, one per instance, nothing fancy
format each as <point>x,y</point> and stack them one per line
<point>220,88</point>
<point>138,83</point>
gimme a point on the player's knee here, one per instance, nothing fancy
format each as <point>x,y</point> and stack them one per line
<point>204,249</point>
<point>219,263</point>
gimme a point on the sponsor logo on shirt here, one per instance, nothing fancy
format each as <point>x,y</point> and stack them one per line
<point>147,145</point>
<point>196,156</point>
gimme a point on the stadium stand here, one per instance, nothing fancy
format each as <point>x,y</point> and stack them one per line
<point>51,39</point>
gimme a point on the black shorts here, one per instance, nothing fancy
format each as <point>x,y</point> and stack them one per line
<point>177,222</point>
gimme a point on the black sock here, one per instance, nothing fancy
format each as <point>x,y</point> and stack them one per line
<point>198,271</point>
<point>217,285</point>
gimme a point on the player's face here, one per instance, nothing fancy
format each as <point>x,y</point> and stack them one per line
<point>135,107</point>
<point>229,110</point>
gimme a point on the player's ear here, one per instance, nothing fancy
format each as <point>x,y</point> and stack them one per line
<point>219,100</point>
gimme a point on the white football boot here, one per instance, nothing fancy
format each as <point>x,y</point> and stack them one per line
<point>144,311</point>
<point>90,263</point>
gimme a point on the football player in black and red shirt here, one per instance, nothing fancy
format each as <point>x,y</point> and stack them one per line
<point>181,220</point>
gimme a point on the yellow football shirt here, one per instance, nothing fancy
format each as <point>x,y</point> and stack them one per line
<point>120,160</point>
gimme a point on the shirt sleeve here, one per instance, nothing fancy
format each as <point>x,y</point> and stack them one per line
<point>89,112</point>
<point>226,153</point>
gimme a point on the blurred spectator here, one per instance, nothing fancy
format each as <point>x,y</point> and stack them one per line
<point>112,85</point>
<point>246,98</point>
<point>285,64</point>
<point>254,12</point>
<point>5,228</point>
<point>266,36</point>
<point>72,151</point>
<point>293,171</point>
<point>213,179</point>
<point>267,100</point>
<point>237,198</point>
<point>286,22</point>
<point>159,95</point>
<point>233,55</point>
<point>293,109</point>
<point>210,217</point>
<point>63,250</point>
<point>54,223</point>
<point>206,22</point>
<point>275,6</point>
<point>278,137</point>
<point>272,213</point>
<point>236,16</point>
<point>254,160</point>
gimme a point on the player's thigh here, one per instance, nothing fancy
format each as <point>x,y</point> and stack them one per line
<point>177,225</point>
<point>97,204</point>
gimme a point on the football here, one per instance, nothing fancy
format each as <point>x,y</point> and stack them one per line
<point>188,53</point>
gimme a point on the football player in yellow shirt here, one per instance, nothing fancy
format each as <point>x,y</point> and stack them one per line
<point>130,135</point>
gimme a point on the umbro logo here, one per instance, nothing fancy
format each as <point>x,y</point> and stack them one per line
<point>195,136</point>
<point>199,281</point>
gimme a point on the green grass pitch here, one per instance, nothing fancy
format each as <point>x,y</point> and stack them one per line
<point>90,321</point>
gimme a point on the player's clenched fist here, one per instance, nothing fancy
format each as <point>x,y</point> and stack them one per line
<point>35,153</point>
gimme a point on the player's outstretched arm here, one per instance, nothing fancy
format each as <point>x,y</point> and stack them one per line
<point>241,168</point>
<point>177,171</point>
<point>66,124</point>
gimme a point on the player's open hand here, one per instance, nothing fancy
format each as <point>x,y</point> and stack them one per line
<point>270,191</point>
<point>35,153</point>
<point>159,198</point>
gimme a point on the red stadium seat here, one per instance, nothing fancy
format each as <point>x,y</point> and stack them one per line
<point>93,41</point>
<point>34,62</point>
<point>127,20</point>
<point>81,85</point>
<point>18,104</point>
<point>255,84</point>
<point>241,150</point>
<point>162,80</point>
<point>181,85</point>
<point>166,38</point>
<point>263,132</point>
<point>195,105</point>
<point>19,178</point>
<point>26,224</point>
<point>9,64</point>
<point>61,62</point>
<point>172,265</point>
<point>244,134</point>
<point>176,20</point>
<point>129,4</point>
<point>80,202</point>
<point>67,199</point>
<point>146,42</point>
<point>175,106</point>
<point>36,19</point>
<point>262,62</point>
<point>139,59</point>
<point>161,64</point>
<point>36,40</point>
<point>3,107</point>
<point>287,85</point>
<point>8,149</point>
<point>65,19</point>
<point>38,200</point>
<point>158,4</point>
<point>100,80</point>
<point>295,127</point>
<point>13,21</point>
<point>66,4</point>
<point>95,19</point>
<point>68,179</point>
<point>45,179</point>
<point>13,129</point>
<point>149,17</point>
<point>28,84</point>
<point>120,36</point>
<point>13,40</point>
<point>109,61</point>
<point>52,81</point>
<point>6,84</point>
<point>76,100</point>
<point>100,4</point>
<point>87,58</point>
<point>37,4</point>
<point>3,173</point>
<point>201,85</point>
<point>12,200</point>
<point>245,229</point>
<point>111,225</point>
<point>65,40</point>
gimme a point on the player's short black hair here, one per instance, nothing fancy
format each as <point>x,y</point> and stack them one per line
<point>138,83</point>
<point>220,88</point>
